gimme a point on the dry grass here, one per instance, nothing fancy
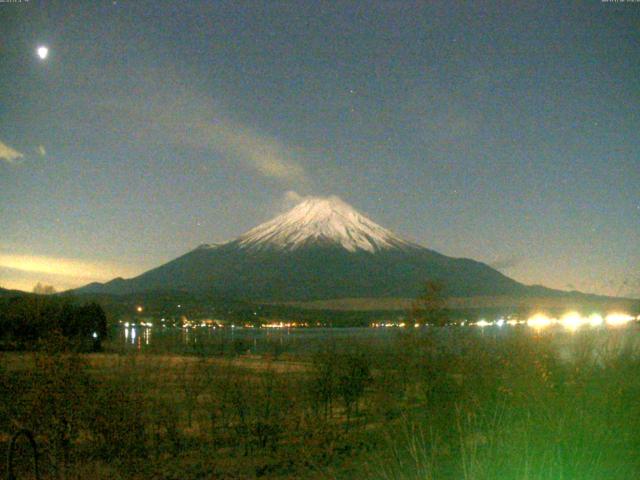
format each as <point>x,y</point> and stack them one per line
<point>452,404</point>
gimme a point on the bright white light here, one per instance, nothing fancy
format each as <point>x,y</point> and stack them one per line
<point>500,322</point>
<point>43,52</point>
<point>595,320</point>
<point>483,323</point>
<point>617,319</point>
<point>572,321</point>
<point>539,321</point>
<point>95,335</point>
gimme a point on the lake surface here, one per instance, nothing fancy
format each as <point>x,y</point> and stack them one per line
<point>276,341</point>
<point>245,340</point>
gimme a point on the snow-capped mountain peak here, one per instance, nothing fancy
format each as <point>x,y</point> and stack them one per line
<point>321,220</point>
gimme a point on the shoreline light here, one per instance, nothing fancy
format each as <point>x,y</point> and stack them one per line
<point>618,319</point>
<point>595,320</point>
<point>539,321</point>
<point>483,323</point>
<point>572,321</point>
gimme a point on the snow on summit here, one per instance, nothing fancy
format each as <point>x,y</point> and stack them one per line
<point>324,221</point>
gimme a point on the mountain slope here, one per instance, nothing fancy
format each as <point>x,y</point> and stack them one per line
<point>320,249</point>
<point>11,293</point>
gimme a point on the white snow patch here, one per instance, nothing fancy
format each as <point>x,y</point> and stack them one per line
<point>322,220</point>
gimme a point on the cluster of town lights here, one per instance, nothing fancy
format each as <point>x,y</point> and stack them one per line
<point>284,325</point>
<point>393,324</point>
<point>208,323</point>
<point>571,321</point>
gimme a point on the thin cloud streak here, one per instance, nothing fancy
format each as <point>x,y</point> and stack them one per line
<point>195,121</point>
<point>265,154</point>
<point>8,154</point>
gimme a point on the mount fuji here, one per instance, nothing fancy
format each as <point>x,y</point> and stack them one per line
<point>321,249</point>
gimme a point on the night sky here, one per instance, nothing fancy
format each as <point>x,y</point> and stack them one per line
<point>505,133</point>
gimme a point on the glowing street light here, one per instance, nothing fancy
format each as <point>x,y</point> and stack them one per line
<point>572,321</point>
<point>539,321</point>
<point>595,320</point>
<point>618,319</point>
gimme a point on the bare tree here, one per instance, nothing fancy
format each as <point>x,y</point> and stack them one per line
<point>41,289</point>
<point>430,306</point>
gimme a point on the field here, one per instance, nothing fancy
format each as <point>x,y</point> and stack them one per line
<point>451,403</point>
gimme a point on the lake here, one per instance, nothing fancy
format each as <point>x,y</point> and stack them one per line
<point>276,341</point>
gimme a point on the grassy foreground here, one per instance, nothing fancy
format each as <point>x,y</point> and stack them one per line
<point>446,404</point>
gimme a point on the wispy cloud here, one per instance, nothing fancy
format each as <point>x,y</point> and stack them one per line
<point>289,199</point>
<point>263,153</point>
<point>195,121</point>
<point>293,197</point>
<point>8,154</point>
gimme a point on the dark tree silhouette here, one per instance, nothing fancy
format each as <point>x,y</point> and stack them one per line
<point>430,306</point>
<point>25,320</point>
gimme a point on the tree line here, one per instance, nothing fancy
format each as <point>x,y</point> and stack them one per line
<point>27,320</point>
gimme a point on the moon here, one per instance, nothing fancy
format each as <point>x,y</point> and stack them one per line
<point>43,52</point>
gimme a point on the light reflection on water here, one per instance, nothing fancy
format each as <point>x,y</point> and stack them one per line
<point>131,335</point>
<point>242,340</point>
<point>216,341</point>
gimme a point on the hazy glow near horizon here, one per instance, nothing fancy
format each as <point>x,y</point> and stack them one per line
<point>69,272</point>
